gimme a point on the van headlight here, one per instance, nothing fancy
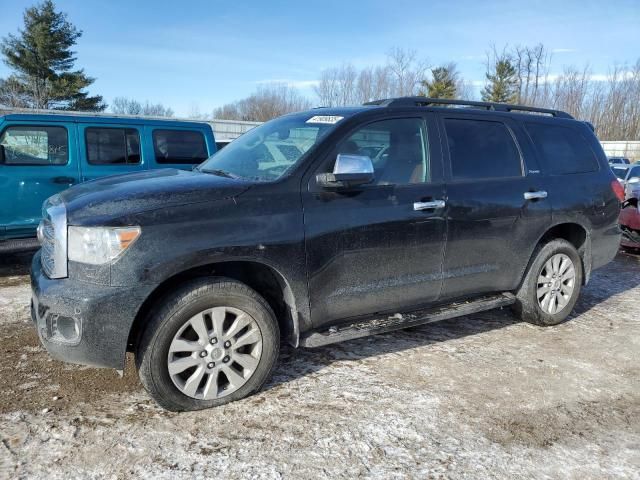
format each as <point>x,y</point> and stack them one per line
<point>99,245</point>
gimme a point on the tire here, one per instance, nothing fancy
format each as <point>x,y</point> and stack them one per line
<point>540,311</point>
<point>175,337</point>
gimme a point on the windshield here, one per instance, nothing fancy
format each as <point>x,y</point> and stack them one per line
<point>267,152</point>
<point>620,172</point>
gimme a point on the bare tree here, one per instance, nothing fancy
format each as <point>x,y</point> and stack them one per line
<point>402,75</point>
<point>407,71</point>
<point>269,101</point>
<point>532,67</point>
<point>129,106</point>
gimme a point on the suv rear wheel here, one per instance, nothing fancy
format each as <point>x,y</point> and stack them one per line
<point>214,341</point>
<point>551,285</point>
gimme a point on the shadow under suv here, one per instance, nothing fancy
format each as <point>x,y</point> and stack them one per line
<point>318,227</point>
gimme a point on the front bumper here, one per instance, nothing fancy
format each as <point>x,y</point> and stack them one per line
<point>95,320</point>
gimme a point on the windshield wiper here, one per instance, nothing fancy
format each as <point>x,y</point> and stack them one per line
<point>220,173</point>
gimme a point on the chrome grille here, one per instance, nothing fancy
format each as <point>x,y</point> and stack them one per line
<point>47,258</point>
<point>53,236</point>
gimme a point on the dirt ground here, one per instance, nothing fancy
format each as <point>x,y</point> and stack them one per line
<point>482,396</point>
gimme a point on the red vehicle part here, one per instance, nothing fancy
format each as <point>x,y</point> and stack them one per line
<point>630,224</point>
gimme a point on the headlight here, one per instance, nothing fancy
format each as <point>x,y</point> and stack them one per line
<point>99,245</point>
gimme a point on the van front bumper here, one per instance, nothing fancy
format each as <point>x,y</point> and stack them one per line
<point>83,323</point>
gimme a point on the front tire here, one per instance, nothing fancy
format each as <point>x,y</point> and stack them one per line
<point>551,285</point>
<point>215,340</point>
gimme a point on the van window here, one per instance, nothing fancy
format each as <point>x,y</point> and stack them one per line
<point>481,149</point>
<point>112,146</point>
<point>179,146</point>
<point>35,145</point>
<point>564,150</point>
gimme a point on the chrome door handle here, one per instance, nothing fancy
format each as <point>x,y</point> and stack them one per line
<point>535,195</point>
<point>428,205</point>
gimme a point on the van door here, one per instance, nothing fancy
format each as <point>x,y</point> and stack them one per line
<point>109,149</point>
<point>40,161</point>
<point>496,204</point>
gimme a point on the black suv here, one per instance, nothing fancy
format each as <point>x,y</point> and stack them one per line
<point>318,227</point>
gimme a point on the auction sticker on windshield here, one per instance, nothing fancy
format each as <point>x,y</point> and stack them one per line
<point>331,119</point>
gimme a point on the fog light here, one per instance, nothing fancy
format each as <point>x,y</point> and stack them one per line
<point>65,329</point>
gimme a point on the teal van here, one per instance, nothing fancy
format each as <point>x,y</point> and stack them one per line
<point>42,154</point>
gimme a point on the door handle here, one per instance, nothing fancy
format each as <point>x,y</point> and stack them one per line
<point>429,205</point>
<point>535,195</point>
<point>64,180</point>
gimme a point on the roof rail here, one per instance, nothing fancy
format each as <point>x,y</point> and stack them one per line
<point>497,107</point>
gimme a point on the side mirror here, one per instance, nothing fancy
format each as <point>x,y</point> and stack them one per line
<point>2,157</point>
<point>349,171</point>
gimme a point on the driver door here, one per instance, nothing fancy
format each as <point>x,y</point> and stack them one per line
<point>374,248</point>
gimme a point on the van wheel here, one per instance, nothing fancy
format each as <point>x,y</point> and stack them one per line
<point>551,285</point>
<point>214,341</point>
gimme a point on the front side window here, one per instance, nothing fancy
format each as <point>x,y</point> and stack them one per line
<point>563,149</point>
<point>481,149</point>
<point>397,148</point>
<point>35,145</point>
<point>179,146</point>
<point>268,152</point>
<point>112,146</point>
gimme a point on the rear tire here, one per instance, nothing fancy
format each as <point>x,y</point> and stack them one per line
<point>551,285</point>
<point>215,340</point>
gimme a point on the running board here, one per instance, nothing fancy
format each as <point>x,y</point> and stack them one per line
<point>406,320</point>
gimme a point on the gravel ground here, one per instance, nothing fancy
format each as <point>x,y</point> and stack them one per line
<point>482,396</point>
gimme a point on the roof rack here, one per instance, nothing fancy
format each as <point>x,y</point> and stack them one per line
<point>497,107</point>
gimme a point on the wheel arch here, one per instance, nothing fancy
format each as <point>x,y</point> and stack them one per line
<point>265,279</point>
<point>576,234</point>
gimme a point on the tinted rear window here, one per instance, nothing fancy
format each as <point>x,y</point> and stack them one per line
<point>112,146</point>
<point>179,146</point>
<point>481,149</point>
<point>564,150</point>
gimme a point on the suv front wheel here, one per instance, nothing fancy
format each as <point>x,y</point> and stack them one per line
<point>551,285</point>
<point>215,340</point>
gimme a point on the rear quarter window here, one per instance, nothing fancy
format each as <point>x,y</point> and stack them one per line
<point>563,150</point>
<point>179,146</point>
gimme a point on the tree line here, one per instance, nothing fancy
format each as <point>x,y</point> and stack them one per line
<point>45,77</point>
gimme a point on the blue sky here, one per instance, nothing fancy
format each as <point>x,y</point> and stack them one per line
<point>206,53</point>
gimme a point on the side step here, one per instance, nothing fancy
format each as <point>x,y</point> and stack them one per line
<point>406,320</point>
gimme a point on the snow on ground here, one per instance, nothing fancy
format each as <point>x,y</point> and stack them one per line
<point>483,396</point>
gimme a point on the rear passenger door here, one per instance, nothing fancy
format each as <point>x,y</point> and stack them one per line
<point>177,147</point>
<point>492,227</point>
<point>566,150</point>
<point>109,149</point>
<point>40,161</point>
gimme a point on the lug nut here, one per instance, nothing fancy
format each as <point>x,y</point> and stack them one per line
<point>211,365</point>
<point>225,359</point>
<point>213,341</point>
<point>203,353</point>
<point>227,344</point>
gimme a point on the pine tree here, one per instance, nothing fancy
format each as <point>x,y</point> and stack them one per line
<point>43,62</point>
<point>443,84</point>
<point>502,83</point>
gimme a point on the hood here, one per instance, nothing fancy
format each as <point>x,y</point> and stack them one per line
<point>121,195</point>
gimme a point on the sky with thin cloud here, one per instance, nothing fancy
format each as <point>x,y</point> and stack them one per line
<point>206,53</point>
